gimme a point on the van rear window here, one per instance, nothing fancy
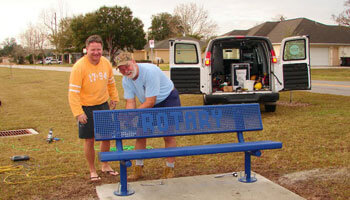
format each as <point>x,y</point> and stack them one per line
<point>294,50</point>
<point>186,54</point>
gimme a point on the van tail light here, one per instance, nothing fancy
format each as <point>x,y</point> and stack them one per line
<point>207,59</point>
<point>273,56</point>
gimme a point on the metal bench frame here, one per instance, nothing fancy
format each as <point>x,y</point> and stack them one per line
<point>179,121</point>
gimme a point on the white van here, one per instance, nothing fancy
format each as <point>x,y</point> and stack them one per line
<point>240,69</point>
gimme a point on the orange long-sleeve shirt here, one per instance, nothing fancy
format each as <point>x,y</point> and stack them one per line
<point>90,84</point>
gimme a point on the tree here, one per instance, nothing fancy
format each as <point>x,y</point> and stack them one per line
<point>344,17</point>
<point>279,17</point>
<point>12,49</point>
<point>195,21</point>
<point>63,38</point>
<point>8,46</point>
<point>81,27</point>
<point>164,25</point>
<point>50,23</point>
<point>116,25</point>
<point>51,20</point>
<point>33,39</point>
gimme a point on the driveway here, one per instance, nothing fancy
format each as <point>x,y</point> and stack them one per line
<point>49,68</point>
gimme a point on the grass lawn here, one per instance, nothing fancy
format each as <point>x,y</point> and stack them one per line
<point>314,161</point>
<point>331,74</point>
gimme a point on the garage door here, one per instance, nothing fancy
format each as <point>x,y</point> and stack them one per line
<point>319,56</point>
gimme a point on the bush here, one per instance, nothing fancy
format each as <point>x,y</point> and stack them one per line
<point>30,58</point>
<point>73,59</point>
<point>20,60</point>
<point>40,57</point>
<point>143,61</point>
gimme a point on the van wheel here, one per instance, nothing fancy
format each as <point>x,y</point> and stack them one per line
<point>270,108</point>
<point>205,102</point>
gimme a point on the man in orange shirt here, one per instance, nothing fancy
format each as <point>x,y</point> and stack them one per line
<point>91,85</point>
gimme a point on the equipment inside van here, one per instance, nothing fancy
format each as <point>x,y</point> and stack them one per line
<point>240,69</point>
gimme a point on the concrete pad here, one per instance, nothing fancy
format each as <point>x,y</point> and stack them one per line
<point>200,187</point>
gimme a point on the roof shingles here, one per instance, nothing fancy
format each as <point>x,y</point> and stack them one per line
<point>319,33</point>
<point>164,44</point>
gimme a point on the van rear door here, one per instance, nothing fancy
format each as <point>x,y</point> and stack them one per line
<point>184,64</point>
<point>293,69</point>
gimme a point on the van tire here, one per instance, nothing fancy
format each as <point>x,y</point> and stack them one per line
<point>205,102</point>
<point>270,108</point>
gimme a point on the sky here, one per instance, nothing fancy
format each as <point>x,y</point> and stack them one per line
<point>16,15</point>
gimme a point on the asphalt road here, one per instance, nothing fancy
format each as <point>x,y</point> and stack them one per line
<point>324,87</point>
<point>331,87</point>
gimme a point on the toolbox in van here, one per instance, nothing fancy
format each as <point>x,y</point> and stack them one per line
<point>240,72</point>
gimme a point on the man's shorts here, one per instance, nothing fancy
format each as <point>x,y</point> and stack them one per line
<point>86,131</point>
<point>173,100</point>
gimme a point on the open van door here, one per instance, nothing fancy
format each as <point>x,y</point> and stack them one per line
<point>184,64</point>
<point>293,70</point>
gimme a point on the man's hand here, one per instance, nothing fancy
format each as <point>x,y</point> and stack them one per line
<point>82,118</point>
<point>112,104</point>
<point>130,104</point>
<point>149,103</point>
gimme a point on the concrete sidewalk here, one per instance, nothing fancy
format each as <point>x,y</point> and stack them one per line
<point>205,187</point>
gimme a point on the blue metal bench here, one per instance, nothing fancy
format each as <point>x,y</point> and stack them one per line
<point>179,121</point>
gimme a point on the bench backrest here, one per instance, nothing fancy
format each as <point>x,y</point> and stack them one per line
<point>176,121</point>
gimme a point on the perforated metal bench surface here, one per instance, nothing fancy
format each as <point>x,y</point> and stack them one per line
<point>176,121</point>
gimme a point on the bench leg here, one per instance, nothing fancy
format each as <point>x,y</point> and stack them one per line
<point>123,189</point>
<point>247,170</point>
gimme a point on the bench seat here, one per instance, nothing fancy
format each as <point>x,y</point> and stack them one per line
<point>122,125</point>
<point>188,150</point>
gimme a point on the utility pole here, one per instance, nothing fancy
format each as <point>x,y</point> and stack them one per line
<point>151,45</point>
<point>55,35</point>
<point>55,24</point>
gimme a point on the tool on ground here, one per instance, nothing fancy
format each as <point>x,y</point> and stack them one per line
<point>49,136</point>
<point>20,158</point>
<point>227,174</point>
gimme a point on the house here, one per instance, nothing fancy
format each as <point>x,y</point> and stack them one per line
<point>328,44</point>
<point>160,51</point>
<point>71,58</point>
<point>5,60</point>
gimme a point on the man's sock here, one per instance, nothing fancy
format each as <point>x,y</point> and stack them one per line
<point>139,162</point>
<point>172,165</point>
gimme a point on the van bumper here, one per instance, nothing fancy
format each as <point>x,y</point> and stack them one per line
<point>241,98</point>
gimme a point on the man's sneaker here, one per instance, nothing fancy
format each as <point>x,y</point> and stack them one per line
<point>137,173</point>
<point>168,172</point>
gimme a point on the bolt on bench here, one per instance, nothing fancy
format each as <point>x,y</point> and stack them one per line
<point>179,121</point>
